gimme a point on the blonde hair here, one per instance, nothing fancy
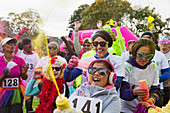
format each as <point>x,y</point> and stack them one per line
<point>48,73</point>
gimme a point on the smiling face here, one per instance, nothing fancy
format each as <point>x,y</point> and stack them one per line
<point>97,79</point>
<point>53,50</point>
<point>100,51</point>
<point>57,73</point>
<point>9,46</point>
<point>87,46</point>
<point>145,51</point>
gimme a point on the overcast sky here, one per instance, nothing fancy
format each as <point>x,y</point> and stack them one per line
<point>58,12</point>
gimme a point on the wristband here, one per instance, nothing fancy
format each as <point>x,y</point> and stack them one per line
<point>19,33</point>
<point>148,108</point>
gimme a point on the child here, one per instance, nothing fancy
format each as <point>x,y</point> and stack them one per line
<point>100,85</point>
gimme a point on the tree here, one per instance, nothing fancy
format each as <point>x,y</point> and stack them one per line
<point>77,15</point>
<point>122,12</point>
<point>16,22</point>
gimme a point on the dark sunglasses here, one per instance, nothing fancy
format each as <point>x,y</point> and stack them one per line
<point>101,71</point>
<point>54,48</point>
<point>102,44</point>
<point>86,45</point>
<point>56,68</point>
<point>29,46</point>
<point>148,57</point>
<point>9,43</point>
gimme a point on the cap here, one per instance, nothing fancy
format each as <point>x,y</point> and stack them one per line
<point>105,35</point>
<point>5,40</point>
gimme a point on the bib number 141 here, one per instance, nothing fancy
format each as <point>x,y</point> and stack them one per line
<point>85,104</point>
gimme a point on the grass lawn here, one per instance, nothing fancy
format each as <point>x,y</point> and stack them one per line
<point>34,104</point>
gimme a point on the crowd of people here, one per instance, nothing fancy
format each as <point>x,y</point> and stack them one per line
<point>101,75</point>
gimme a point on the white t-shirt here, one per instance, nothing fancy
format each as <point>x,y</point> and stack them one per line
<point>31,60</point>
<point>160,60</point>
<point>116,61</point>
<point>43,63</point>
<point>132,76</point>
<point>125,56</point>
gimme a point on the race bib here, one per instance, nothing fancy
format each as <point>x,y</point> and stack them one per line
<point>10,83</point>
<point>85,104</point>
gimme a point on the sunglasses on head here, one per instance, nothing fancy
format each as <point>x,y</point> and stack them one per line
<point>9,43</point>
<point>86,45</point>
<point>102,44</point>
<point>101,71</point>
<point>54,48</point>
<point>28,46</point>
<point>164,42</point>
<point>56,68</point>
<point>148,57</point>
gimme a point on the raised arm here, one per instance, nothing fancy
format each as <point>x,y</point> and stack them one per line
<point>77,45</point>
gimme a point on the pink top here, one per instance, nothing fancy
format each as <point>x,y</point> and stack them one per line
<point>15,71</point>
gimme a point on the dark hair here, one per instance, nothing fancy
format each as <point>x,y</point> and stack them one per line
<point>105,63</point>
<point>20,46</point>
<point>105,35</point>
<point>26,41</point>
<point>129,42</point>
<point>148,33</point>
<point>86,40</point>
<point>143,42</point>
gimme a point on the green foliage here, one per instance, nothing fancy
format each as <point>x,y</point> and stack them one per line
<point>77,15</point>
<point>30,19</point>
<point>135,18</point>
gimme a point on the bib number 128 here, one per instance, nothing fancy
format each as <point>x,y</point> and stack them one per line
<point>10,83</point>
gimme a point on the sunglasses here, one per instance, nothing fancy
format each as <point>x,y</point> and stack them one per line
<point>29,46</point>
<point>9,43</point>
<point>56,68</point>
<point>148,57</point>
<point>102,44</point>
<point>164,42</point>
<point>54,48</point>
<point>86,45</point>
<point>101,71</point>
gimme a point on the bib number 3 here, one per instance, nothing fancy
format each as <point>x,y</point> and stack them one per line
<point>85,104</point>
<point>10,83</point>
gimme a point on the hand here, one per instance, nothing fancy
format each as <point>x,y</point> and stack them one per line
<point>2,27</point>
<point>73,62</point>
<point>99,24</point>
<point>6,72</point>
<point>37,74</point>
<point>115,23</point>
<point>24,30</point>
<point>140,92</point>
<point>77,25</point>
<point>70,83</point>
<point>24,69</point>
<point>145,104</point>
